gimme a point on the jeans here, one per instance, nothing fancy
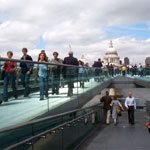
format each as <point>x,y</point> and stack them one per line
<point>43,87</point>
<point>71,77</point>
<point>55,83</point>
<point>25,79</point>
<point>9,77</point>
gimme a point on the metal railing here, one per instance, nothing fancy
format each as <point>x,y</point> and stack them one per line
<point>84,113</point>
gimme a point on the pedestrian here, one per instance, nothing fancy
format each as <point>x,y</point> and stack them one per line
<point>10,76</point>
<point>98,71</point>
<point>112,70</point>
<point>71,73</point>
<point>124,69</point>
<point>56,72</point>
<point>26,71</point>
<point>107,108</point>
<point>81,74</point>
<point>87,71</point>
<point>116,105</point>
<point>130,104</point>
<point>42,72</point>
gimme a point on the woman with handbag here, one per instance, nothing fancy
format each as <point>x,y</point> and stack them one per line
<point>116,109</point>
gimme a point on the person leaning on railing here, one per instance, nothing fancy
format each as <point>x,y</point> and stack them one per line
<point>10,76</point>
<point>81,73</point>
<point>55,72</point>
<point>70,73</point>
<point>26,71</point>
<point>124,69</point>
<point>42,73</point>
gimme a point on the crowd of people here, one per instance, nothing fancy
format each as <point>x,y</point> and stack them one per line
<point>113,70</point>
<point>11,71</point>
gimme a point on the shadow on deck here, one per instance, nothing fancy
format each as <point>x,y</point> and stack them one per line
<point>120,137</point>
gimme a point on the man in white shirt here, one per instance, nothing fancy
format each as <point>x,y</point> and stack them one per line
<point>130,104</point>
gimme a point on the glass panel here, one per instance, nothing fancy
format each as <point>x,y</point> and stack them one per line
<point>37,88</point>
<point>17,135</point>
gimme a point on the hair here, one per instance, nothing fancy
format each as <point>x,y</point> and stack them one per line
<point>107,92</point>
<point>43,51</point>
<point>115,97</point>
<point>70,53</point>
<point>55,53</point>
<point>45,57</point>
<point>25,49</point>
<point>10,52</point>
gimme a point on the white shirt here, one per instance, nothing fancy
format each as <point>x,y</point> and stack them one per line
<point>130,101</point>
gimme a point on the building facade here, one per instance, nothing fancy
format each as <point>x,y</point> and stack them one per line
<point>126,61</point>
<point>111,56</point>
<point>147,62</point>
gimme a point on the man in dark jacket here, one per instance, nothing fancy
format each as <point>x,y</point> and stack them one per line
<point>70,72</point>
<point>107,101</point>
<point>26,71</point>
<point>98,65</point>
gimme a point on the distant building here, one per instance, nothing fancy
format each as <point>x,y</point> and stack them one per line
<point>111,56</point>
<point>126,61</point>
<point>83,59</point>
<point>147,62</point>
<point>120,62</point>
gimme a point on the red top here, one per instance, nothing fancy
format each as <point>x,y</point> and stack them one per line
<point>10,65</point>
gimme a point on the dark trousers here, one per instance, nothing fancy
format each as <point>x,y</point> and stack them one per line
<point>55,83</point>
<point>9,77</point>
<point>25,79</point>
<point>131,114</point>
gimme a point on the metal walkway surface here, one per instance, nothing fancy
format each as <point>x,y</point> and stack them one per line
<point>23,109</point>
<point>120,137</point>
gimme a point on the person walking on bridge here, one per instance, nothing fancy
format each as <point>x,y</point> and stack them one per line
<point>130,104</point>
<point>116,105</point>
<point>107,101</point>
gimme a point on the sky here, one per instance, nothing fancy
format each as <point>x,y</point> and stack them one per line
<point>85,24</point>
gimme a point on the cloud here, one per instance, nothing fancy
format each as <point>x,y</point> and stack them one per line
<point>82,24</point>
<point>15,35</point>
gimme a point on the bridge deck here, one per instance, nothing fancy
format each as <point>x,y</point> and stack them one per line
<point>120,137</point>
<point>24,109</point>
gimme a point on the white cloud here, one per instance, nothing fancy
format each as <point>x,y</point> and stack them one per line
<point>15,35</point>
<point>80,23</point>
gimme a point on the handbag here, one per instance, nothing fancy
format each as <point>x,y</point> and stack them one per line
<point>119,111</point>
